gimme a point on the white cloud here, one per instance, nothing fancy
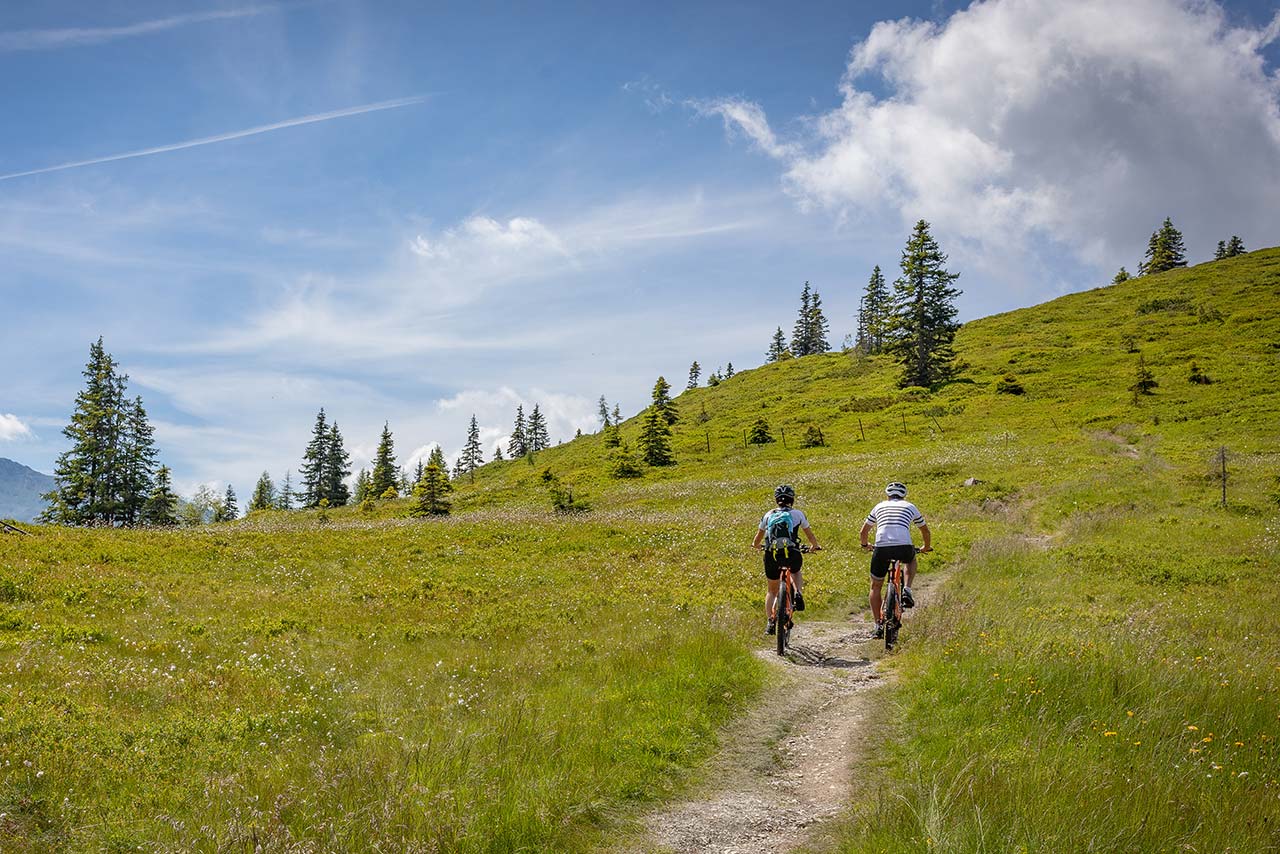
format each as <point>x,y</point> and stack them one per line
<point>12,428</point>
<point>1016,123</point>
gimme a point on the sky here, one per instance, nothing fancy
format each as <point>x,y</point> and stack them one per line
<point>411,213</point>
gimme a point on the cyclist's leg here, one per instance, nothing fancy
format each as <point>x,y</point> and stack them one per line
<point>799,580</point>
<point>911,571</point>
<point>876,597</point>
<point>771,597</point>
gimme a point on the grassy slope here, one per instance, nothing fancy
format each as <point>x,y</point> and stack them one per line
<point>289,681</point>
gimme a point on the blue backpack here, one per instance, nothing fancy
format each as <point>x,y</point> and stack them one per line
<point>778,530</point>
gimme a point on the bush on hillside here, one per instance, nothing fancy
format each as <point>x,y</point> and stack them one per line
<point>1152,306</point>
<point>1008,384</point>
<point>623,464</point>
<point>612,436</point>
<point>759,433</point>
<point>813,437</point>
<point>1209,314</point>
<point>1197,376</point>
<point>562,500</point>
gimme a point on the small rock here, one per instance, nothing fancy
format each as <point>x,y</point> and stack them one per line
<point>972,481</point>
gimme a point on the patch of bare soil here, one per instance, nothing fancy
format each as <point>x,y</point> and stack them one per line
<point>786,767</point>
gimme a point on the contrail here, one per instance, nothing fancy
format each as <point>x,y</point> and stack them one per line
<point>224,137</point>
<point>76,36</point>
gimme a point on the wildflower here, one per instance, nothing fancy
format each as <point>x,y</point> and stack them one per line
<point>1192,727</point>
<point>1129,713</point>
<point>1207,739</point>
<point>1109,733</point>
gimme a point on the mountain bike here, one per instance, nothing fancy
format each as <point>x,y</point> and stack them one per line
<point>784,606</point>
<point>892,609</point>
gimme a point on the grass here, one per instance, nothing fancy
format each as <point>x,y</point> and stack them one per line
<point>374,682</point>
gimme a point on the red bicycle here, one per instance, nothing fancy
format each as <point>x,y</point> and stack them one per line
<point>896,581</point>
<point>785,605</point>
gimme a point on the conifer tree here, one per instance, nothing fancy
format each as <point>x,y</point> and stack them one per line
<point>604,412</point>
<point>336,469</point>
<point>695,371</point>
<point>800,340</point>
<point>384,475</point>
<point>924,315</point>
<point>1121,277</point>
<point>874,317</point>
<point>285,500</point>
<point>314,461</point>
<point>617,415</point>
<point>364,487</point>
<point>162,504</point>
<point>662,401</point>
<point>539,438</point>
<point>817,326</point>
<point>1235,246</point>
<point>760,434</point>
<point>432,492</point>
<point>519,444</point>
<point>418,471</point>
<point>497,454</point>
<point>1221,251</point>
<point>264,494</point>
<point>777,347</point>
<point>1164,251</point>
<point>655,438</point>
<point>472,454</point>
<point>612,436</point>
<point>436,458</point>
<point>138,460</point>
<point>728,371</point>
<point>622,463</point>
<point>230,511</point>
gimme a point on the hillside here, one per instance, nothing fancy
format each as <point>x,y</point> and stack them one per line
<point>509,679</point>
<point>20,491</point>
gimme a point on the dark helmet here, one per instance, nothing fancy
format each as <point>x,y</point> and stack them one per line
<point>786,492</point>
<point>896,490</point>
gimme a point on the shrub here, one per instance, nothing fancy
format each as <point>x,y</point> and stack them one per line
<point>1152,306</point>
<point>390,492</point>
<point>813,437</point>
<point>623,464</point>
<point>1008,384</point>
<point>759,434</point>
<point>1197,376</point>
<point>367,506</point>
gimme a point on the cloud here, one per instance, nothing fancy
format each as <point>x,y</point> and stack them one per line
<point>225,137</point>
<point>1014,125</point>
<point>655,98</point>
<point>52,39</point>
<point>12,428</point>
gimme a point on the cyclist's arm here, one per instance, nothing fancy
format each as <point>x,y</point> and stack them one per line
<point>924,532</point>
<point>755,544</point>
<point>862,535</point>
<point>813,541</point>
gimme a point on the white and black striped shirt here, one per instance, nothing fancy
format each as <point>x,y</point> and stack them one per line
<point>892,520</point>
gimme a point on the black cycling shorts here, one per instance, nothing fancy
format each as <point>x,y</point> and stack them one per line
<point>791,558</point>
<point>883,554</point>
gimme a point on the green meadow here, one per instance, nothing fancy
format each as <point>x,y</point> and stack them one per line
<point>1098,670</point>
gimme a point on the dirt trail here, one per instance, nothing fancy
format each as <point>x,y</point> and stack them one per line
<point>785,768</point>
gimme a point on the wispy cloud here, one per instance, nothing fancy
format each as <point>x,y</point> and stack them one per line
<point>226,137</point>
<point>52,39</point>
<point>11,428</point>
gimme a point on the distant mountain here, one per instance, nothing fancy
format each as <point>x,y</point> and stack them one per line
<point>20,491</point>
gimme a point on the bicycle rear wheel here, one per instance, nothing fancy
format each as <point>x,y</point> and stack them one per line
<point>784,617</point>
<point>892,599</point>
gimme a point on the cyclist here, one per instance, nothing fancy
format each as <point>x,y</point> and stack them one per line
<point>892,519</point>
<point>778,535</point>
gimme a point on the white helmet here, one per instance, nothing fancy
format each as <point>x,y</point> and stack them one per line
<point>896,490</point>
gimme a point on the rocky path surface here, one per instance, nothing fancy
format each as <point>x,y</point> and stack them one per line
<point>785,768</point>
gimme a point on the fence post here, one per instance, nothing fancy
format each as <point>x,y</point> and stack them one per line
<point>783,430</point>
<point>708,441</point>
<point>904,421</point>
<point>860,430</point>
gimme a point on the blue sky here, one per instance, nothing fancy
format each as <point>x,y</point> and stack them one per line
<point>408,214</point>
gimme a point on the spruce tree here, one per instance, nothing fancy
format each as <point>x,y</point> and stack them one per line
<point>539,438</point>
<point>728,371</point>
<point>695,371</point>
<point>777,347</point>
<point>285,500</point>
<point>662,401</point>
<point>385,474</point>
<point>817,326</point>
<point>162,505</point>
<point>1121,277</point>
<point>336,469</point>
<point>617,415</point>
<point>1164,250</point>
<point>230,511</point>
<point>1221,251</point>
<point>436,458</point>
<point>138,460</point>
<point>760,434</point>
<point>801,342</point>
<point>364,487</point>
<point>924,315</point>
<point>497,454</point>
<point>264,494</point>
<point>472,454</point>
<point>655,438</point>
<point>314,460</point>
<point>432,492</point>
<point>519,444</point>
<point>604,412</point>
<point>417,475</point>
<point>1235,246</point>
<point>877,308</point>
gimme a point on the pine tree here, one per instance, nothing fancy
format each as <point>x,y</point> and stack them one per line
<point>777,347</point>
<point>264,494</point>
<point>104,478</point>
<point>497,454</point>
<point>472,454</point>
<point>539,438</point>
<point>604,412</point>
<point>1221,251</point>
<point>617,415</point>
<point>612,436</point>
<point>1144,379</point>
<point>924,315</point>
<point>364,487</point>
<point>314,460</point>
<point>622,463</point>
<point>877,309</point>
<point>436,458</point>
<point>384,475</point>
<point>728,371</point>
<point>1235,246</point>
<point>760,434</point>
<point>230,512</point>
<point>662,401</point>
<point>800,339</point>
<point>1121,277</point>
<point>336,469</point>
<point>162,505</point>
<point>418,471</point>
<point>285,501</point>
<point>655,438</point>
<point>817,326</point>
<point>519,444</point>
<point>432,492</point>
<point>695,371</point>
<point>1164,251</point>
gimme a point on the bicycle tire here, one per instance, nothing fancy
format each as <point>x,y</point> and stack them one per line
<point>783,617</point>
<point>890,612</point>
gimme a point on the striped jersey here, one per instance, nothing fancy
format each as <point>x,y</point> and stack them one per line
<point>893,520</point>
